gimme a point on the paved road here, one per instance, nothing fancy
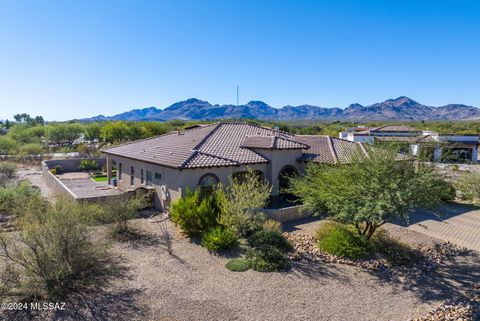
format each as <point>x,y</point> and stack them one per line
<point>457,223</point>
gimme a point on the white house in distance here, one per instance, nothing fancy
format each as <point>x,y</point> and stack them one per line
<point>205,155</point>
<point>436,147</point>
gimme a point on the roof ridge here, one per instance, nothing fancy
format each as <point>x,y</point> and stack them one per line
<point>203,140</point>
<point>332,149</point>
<point>186,160</point>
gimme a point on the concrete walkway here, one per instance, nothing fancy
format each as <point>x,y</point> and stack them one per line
<point>457,223</point>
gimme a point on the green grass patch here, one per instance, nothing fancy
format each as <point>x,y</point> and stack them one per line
<point>238,265</point>
<point>100,178</point>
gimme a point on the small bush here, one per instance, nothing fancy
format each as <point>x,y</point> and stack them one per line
<point>16,199</point>
<point>268,258</point>
<point>338,240</point>
<point>272,225</point>
<point>468,185</point>
<point>238,265</point>
<point>58,169</point>
<point>270,238</point>
<point>195,214</point>
<point>88,164</point>
<point>7,169</point>
<point>219,239</point>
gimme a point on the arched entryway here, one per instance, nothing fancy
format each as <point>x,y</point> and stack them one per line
<point>284,176</point>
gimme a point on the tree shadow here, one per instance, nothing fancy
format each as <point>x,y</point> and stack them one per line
<point>450,280</point>
<point>315,271</point>
<point>442,213</point>
<point>95,299</point>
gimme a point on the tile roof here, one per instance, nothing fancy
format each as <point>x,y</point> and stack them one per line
<point>327,149</point>
<point>272,142</point>
<point>232,144</point>
<point>393,128</point>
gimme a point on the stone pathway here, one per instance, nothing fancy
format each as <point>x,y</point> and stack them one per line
<point>457,223</point>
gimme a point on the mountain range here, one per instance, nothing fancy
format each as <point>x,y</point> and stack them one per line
<point>399,109</point>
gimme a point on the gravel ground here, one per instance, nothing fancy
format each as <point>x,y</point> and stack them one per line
<point>192,284</point>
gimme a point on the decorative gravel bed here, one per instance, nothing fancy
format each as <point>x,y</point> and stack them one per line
<point>465,308</point>
<point>305,248</point>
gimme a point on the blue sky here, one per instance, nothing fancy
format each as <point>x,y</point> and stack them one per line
<point>70,59</point>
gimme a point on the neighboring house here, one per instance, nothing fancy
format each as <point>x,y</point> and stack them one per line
<point>206,155</point>
<point>428,144</point>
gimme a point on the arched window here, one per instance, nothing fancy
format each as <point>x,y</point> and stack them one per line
<point>208,180</point>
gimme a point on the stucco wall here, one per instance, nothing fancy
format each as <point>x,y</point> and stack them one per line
<point>286,214</point>
<point>173,182</point>
<point>54,183</point>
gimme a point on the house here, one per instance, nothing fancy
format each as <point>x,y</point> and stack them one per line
<point>427,144</point>
<point>209,154</point>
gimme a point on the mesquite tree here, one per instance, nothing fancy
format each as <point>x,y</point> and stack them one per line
<point>372,190</point>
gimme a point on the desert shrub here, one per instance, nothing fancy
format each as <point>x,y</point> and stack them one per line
<point>219,239</point>
<point>468,186</point>
<point>270,238</point>
<point>338,240</point>
<point>267,258</point>
<point>120,210</point>
<point>30,151</point>
<point>241,200</point>
<point>52,255</point>
<point>88,164</point>
<point>272,225</point>
<point>17,198</point>
<point>7,169</point>
<point>195,214</point>
<point>238,265</point>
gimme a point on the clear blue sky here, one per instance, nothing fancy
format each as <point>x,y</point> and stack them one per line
<point>70,59</point>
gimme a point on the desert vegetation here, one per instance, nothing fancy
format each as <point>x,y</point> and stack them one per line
<point>227,216</point>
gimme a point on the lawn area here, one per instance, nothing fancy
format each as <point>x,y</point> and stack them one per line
<point>100,178</point>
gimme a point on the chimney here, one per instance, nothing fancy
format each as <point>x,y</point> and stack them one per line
<point>276,129</point>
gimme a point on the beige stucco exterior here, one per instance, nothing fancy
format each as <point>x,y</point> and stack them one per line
<point>172,183</point>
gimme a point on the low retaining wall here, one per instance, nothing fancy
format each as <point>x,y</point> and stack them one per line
<point>54,183</point>
<point>71,165</point>
<point>68,165</point>
<point>286,214</point>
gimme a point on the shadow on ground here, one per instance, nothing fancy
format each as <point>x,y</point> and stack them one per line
<point>102,301</point>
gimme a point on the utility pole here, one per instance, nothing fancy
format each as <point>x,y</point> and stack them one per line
<point>237,96</point>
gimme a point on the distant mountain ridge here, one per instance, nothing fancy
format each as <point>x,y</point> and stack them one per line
<point>399,109</point>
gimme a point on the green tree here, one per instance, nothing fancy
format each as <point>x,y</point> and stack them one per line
<point>61,134</point>
<point>115,132</point>
<point>371,191</point>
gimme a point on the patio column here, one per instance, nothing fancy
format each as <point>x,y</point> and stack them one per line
<point>109,170</point>
<point>475,154</point>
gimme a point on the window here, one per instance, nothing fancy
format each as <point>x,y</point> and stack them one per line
<point>142,179</point>
<point>149,178</point>
<point>119,171</point>
<point>208,180</point>
<point>158,176</point>
<point>132,175</point>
